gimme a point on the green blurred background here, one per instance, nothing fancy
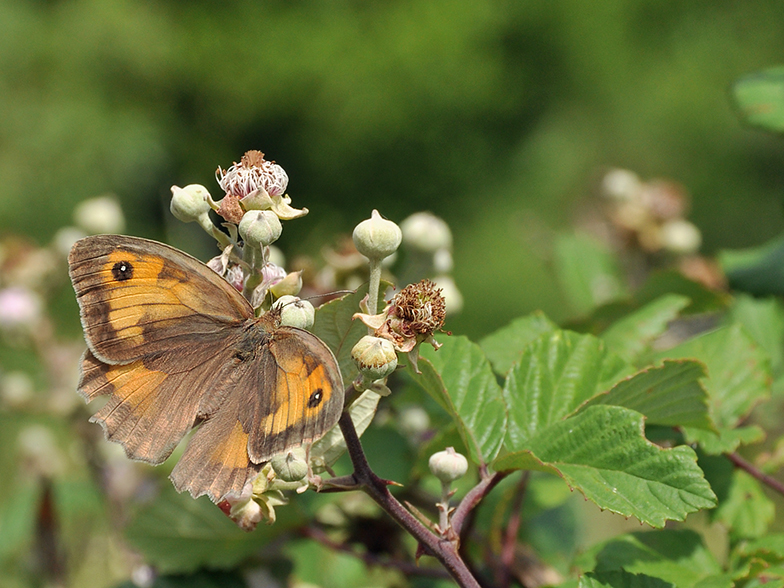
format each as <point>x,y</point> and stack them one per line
<point>497,116</point>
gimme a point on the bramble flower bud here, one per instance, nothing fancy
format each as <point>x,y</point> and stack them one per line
<point>291,465</point>
<point>247,514</point>
<point>424,231</point>
<point>448,465</point>
<point>295,312</point>
<point>190,203</point>
<point>453,299</point>
<point>680,236</point>
<point>100,215</point>
<point>259,228</point>
<point>376,237</point>
<point>622,185</point>
<point>413,422</point>
<point>375,357</point>
<point>288,286</point>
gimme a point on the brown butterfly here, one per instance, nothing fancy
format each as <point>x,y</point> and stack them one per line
<point>173,345</point>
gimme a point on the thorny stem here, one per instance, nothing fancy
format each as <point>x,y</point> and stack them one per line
<point>474,497</point>
<point>755,472</point>
<point>443,550</point>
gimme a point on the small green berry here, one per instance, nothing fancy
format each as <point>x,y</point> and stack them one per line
<point>190,203</point>
<point>448,465</point>
<point>375,357</point>
<point>290,466</point>
<point>260,228</point>
<point>376,237</point>
<point>295,312</point>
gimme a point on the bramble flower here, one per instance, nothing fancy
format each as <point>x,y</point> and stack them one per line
<point>253,173</point>
<point>412,317</point>
<point>255,184</point>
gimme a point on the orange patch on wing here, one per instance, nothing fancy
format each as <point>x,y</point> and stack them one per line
<point>294,390</point>
<point>128,309</point>
<point>232,451</point>
<point>135,384</point>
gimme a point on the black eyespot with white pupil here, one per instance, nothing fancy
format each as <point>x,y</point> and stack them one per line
<point>316,398</point>
<point>122,270</point>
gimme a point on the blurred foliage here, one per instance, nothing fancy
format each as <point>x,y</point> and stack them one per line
<point>493,114</point>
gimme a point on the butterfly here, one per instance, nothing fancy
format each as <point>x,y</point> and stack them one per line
<point>174,346</point>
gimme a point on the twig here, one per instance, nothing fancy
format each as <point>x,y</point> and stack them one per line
<point>474,497</point>
<point>369,559</point>
<point>376,488</point>
<point>755,472</point>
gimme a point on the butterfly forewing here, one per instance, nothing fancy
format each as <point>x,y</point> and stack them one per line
<point>135,304</point>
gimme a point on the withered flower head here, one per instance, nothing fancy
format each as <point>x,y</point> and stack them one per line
<point>413,316</point>
<point>253,173</point>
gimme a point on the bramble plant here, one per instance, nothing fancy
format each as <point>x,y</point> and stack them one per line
<point>644,406</point>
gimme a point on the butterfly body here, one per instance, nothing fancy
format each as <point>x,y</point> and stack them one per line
<point>173,345</point>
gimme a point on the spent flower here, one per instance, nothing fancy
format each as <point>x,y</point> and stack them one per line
<point>412,317</point>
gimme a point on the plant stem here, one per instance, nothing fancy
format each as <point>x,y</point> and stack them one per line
<point>373,286</point>
<point>755,472</point>
<point>443,550</point>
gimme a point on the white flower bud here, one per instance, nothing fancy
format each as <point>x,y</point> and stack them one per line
<point>680,236</point>
<point>448,465</point>
<point>291,465</point>
<point>260,228</point>
<point>375,357</point>
<point>424,231</point>
<point>190,203</point>
<point>622,185</point>
<point>100,215</point>
<point>452,296</point>
<point>376,237</point>
<point>295,312</point>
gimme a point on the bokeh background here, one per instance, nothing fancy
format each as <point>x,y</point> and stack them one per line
<point>497,116</point>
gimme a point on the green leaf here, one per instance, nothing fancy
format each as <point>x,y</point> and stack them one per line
<point>757,270</point>
<point>760,98</point>
<point>335,326</point>
<point>602,451</point>
<point>726,441</point>
<point>505,346</point>
<point>461,380</point>
<point>630,336</point>
<point>747,511</point>
<point>738,370</point>
<point>557,373</point>
<point>677,556</point>
<point>178,534</point>
<point>670,395</point>
<point>662,283</point>
<point>763,320</point>
<point>739,378</point>
<point>587,271</point>
<point>621,579</point>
